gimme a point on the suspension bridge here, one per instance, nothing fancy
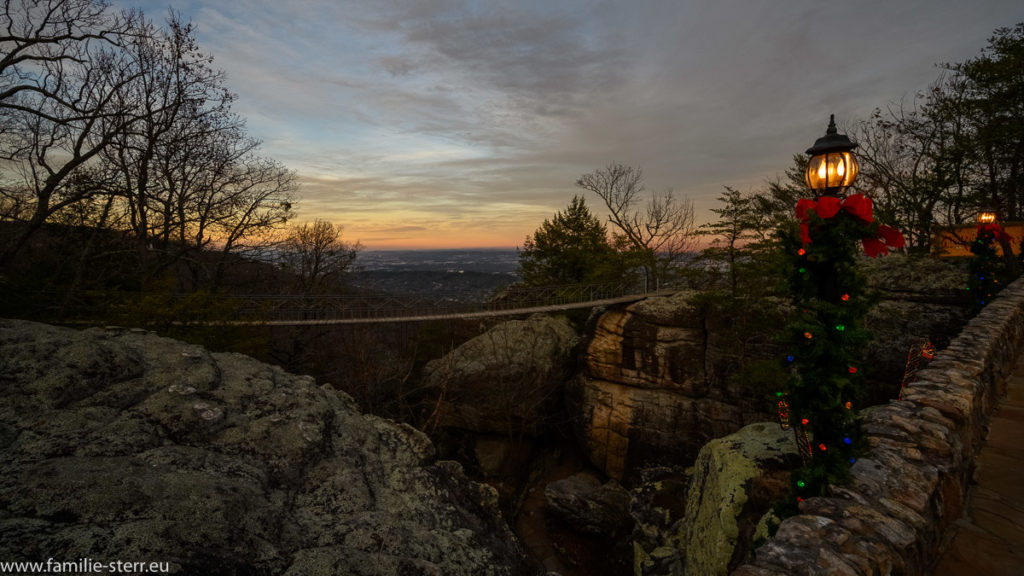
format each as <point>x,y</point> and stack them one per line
<point>276,310</point>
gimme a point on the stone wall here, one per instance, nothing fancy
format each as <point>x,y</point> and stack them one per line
<point>906,493</point>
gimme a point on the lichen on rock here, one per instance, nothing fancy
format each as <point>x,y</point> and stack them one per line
<point>507,380</point>
<point>116,444</point>
<point>732,483</point>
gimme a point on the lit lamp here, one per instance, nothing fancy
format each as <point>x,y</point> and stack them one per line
<point>987,216</point>
<point>833,166</point>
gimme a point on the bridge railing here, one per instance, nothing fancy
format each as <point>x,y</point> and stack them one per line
<point>82,306</point>
<point>297,308</point>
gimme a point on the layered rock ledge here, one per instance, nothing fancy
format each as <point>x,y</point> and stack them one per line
<point>905,494</point>
<point>122,445</point>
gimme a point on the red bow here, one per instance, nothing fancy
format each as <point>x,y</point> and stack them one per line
<point>996,231</point>
<point>827,207</point>
<point>857,205</point>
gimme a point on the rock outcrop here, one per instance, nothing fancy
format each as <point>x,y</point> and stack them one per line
<point>734,480</point>
<point>734,476</point>
<point>118,444</point>
<point>657,381</point>
<point>590,506</point>
<point>655,385</point>
<point>505,381</point>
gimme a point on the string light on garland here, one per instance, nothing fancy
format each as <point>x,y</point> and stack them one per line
<point>986,268</point>
<point>828,290</point>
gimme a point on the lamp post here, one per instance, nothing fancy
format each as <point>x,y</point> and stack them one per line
<point>827,332</point>
<point>986,268</point>
<point>832,167</point>
<point>826,335</point>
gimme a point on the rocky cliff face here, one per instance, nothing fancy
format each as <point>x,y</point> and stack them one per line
<point>657,381</point>
<point>123,445</point>
<point>655,385</point>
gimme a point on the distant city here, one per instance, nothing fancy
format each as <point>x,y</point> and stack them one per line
<point>493,261</point>
<point>465,275</point>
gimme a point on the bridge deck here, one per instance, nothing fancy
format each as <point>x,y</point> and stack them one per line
<point>989,539</point>
<point>457,315</point>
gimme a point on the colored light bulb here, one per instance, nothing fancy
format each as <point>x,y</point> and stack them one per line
<point>801,483</point>
<point>853,370</point>
<point>840,327</point>
<point>845,297</point>
<point>822,447</point>
<point>847,441</point>
<point>805,421</point>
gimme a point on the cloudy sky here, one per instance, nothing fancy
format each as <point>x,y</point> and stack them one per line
<point>456,123</point>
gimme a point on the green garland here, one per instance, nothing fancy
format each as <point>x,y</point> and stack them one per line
<point>827,335</point>
<point>986,268</point>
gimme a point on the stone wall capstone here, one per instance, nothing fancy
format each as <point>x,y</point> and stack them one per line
<point>906,492</point>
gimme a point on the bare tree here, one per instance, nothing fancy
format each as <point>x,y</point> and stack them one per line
<point>915,165</point>
<point>658,232</point>
<point>60,78</point>
<point>179,100</point>
<point>316,254</point>
<point>116,118</point>
<point>42,38</point>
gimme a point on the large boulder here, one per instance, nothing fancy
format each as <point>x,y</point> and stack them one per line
<point>733,482</point>
<point>508,380</point>
<point>734,477</point>
<point>656,385</point>
<point>590,506</point>
<point>118,444</point>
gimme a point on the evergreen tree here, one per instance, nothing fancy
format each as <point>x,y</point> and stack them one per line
<point>736,226</point>
<point>571,248</point>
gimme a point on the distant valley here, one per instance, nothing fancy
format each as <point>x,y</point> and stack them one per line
<point>453,275</point>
